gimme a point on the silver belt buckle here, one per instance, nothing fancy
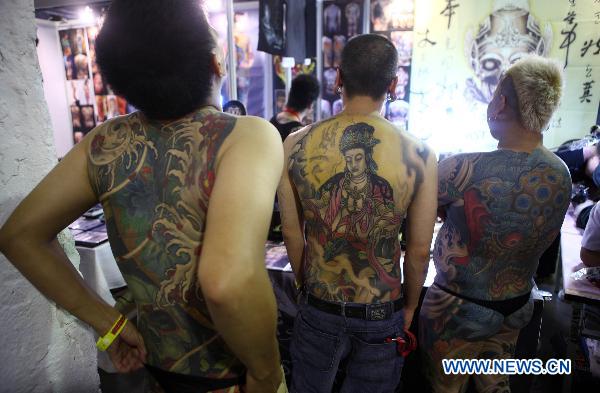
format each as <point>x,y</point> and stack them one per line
<point>378,312</point>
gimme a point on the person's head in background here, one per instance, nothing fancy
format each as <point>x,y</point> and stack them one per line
<point>524,101</point>
<point>368,72</point>
<point>303,93</point>
<point>235,107</point>
<point>161,55</point>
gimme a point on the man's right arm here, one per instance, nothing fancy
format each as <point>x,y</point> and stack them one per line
<point>419,230</point>
<point>292,222</point>
<point>232,271</point>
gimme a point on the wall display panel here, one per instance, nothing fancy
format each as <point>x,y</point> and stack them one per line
<point>394,19</point>
<point>342,20</point>
<point>461,48</point>
<point>392,15</point>
<point>279,79</point>
<point>251,66</point>
<point>250,71</point>
<point>90,99</point>
<point>218,19</point>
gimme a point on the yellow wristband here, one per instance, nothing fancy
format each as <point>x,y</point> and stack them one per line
<point>104,342</point>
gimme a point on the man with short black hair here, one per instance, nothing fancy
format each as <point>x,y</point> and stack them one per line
<point>348,184</point>
<point>169,178</point>
<point>303,93</point>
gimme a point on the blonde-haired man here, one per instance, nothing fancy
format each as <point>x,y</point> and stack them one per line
<point>502,209</point>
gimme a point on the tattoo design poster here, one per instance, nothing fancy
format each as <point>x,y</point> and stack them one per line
<point>394,19</point>
<point>90,100</point>
<point>461,49</point>
<point>342,20</point>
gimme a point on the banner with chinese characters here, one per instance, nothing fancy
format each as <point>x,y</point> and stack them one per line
<point>462,47</point>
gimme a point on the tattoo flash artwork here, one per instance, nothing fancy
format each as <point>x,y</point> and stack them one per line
<point>351,210</point>
<point>154,182</point>
<point>503,37</point>
<point>502,210</point>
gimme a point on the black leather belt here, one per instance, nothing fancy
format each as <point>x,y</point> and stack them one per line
<point>369,312</point>
<point>504,307</point>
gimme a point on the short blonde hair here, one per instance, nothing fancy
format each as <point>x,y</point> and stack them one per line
<point>538,83</point>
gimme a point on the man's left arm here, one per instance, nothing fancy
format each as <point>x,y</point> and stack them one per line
<point>420,220</point>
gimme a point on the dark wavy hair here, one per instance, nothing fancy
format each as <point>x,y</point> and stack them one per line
<point>157,54</point>
<point>304,91</point>
<point>369,63</point>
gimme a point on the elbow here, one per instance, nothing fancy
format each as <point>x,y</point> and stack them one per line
<point>225,291</point>
<point>218,293</point>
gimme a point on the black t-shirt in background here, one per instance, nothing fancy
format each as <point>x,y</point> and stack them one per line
<point>285,128</point>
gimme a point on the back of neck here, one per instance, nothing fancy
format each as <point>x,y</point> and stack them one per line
<point>523,141</point>
<point>362,106</point>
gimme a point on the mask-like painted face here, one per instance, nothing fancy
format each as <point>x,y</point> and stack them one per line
<point>506,43</point>
<point>504,37</point>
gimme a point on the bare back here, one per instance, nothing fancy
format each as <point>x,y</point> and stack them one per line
<point>355,178</point>
<point>155,182</point>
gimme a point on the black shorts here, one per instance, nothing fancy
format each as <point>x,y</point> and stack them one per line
<point>181,383</point>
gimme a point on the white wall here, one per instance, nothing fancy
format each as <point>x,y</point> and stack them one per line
<point>53,72</point>
<point>42,349</point>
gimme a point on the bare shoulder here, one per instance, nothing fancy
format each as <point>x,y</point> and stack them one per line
<point>556,161</point>
<point>462,158</point>
<point>255,136</point>
<point>296,136</point>
<point>415,150</point>
<point>109,138</point>
<point>254,124</point>
<point>254,131</point>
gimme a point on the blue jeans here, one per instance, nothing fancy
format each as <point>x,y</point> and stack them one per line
<point>322,341</point>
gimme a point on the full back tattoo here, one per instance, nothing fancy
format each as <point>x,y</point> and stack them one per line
<point>154,182</point>
<point>355,177</point>
<point>502,210</point>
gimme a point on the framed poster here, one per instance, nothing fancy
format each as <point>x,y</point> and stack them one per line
<point>395,20</point>
<point>90,99</point>
<point>342,20</point>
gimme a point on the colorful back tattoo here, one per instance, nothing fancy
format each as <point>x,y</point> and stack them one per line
<point>355,177</point>
<point>154,182</point>
<point>503,209</point>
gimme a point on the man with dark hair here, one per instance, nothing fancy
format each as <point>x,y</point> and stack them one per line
<point>349,182</point>
<point>169,179</point>
<point>178,79</point>
<point>368,67</point>
<point>303,93</point>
